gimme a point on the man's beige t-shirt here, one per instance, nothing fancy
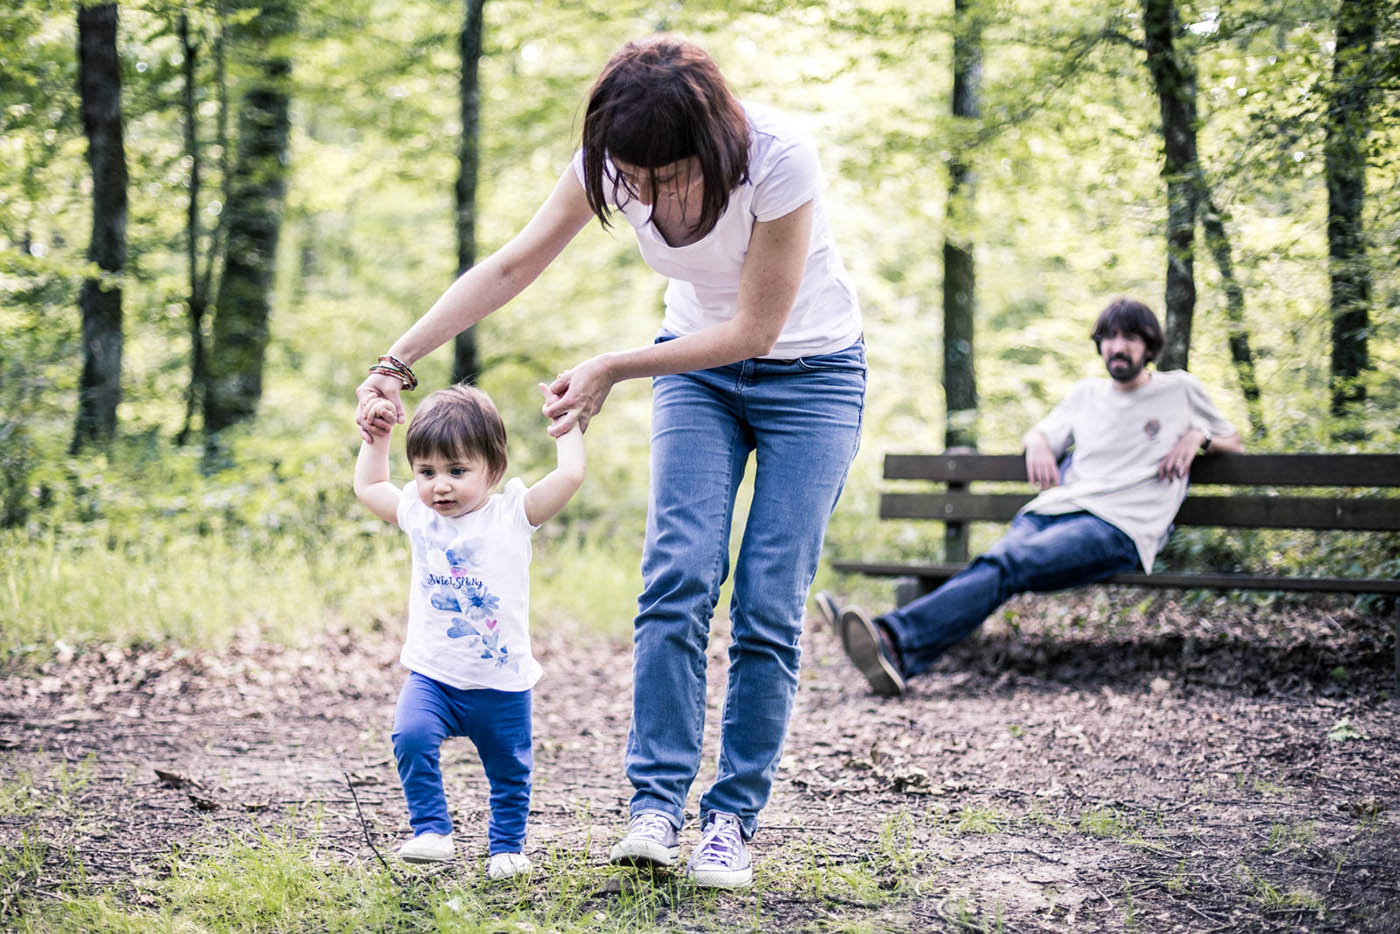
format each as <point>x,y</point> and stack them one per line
<point>1119,438</point>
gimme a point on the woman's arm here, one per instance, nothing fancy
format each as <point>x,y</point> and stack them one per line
<point>768,283</point>
<point>482,289</point>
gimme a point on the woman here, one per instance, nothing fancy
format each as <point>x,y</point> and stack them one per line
<point>760,351</point>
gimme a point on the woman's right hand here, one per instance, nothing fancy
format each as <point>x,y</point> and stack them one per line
<point>378,420</point>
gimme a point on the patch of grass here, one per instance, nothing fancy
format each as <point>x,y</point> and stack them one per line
<point>1178,883</point>
<point>1109,823</point>
<point>1291,835</point>
<point>964,915</point>
<point>979,820</point>
<point>23,796</point>
<point>1039,818</point>
<point>280,881</point>
<point>186,589</point>
<point>1266,787</point>
<point>1274,898</point>
<point>21,867</point>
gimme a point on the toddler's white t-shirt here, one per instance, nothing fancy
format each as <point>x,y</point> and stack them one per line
<point>784,174</point>
<point>469,597</point>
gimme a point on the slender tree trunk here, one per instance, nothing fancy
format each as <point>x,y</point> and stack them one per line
<point>1174,76</point>
<point>959,272</point>
<point>466,363</point>
<point>1217,241</point>
<point>99,79</point>
<point>198,301</point>
<point>959,269</point>
<point>257,190</point>
<point>1348,124</point>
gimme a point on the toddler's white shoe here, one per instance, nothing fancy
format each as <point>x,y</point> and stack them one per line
<point>508,866</point>
<point>427,848</point>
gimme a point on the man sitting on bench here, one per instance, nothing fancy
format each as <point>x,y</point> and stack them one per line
<point>1108,510</point>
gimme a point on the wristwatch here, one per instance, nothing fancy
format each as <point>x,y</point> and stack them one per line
<point>1205,442</point>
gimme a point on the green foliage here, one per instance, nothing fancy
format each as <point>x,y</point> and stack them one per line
<point>1068,213</point>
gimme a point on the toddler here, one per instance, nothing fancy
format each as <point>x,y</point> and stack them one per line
<point>467,650</point>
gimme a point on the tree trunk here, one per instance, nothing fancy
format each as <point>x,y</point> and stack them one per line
<point>1219,245</point>
<point>99,80</point>
<point>1348,124</point>
<point>1174,76</point>
<point>959,272</point>
<point>257,188</point>
<point>198,301</point>
<point>466,363</point>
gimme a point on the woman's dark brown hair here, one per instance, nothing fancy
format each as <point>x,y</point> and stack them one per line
<point>458,423</point>
<point>659,100</point>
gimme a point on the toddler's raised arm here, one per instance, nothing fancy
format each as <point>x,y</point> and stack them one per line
<point>548,496</point>
<point>372,484</point>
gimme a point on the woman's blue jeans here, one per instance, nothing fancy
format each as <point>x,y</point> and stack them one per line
<point>1038,553</point>
<point>801,420</point>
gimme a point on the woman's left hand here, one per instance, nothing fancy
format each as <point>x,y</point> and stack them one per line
<point>579,395</point>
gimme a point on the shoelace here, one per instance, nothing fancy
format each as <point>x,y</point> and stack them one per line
<point>651,827</point>
<point>723,842</point>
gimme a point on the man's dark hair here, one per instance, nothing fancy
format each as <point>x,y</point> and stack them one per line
<point>660,100</point>
<point>1126,316</point>
<point>459,422</point>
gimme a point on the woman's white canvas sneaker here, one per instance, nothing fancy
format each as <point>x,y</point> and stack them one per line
<point>721,861</point>
<point>650,839</point>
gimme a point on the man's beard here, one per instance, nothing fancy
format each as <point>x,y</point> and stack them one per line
<point>1128,373</point>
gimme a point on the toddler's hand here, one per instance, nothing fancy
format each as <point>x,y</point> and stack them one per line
<point>380,412</point>
<point>550,397</point>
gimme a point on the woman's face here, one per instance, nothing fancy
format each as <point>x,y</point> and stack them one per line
<point>676,181</point>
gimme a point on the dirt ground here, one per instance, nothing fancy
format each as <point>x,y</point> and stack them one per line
<point>1105,761</point>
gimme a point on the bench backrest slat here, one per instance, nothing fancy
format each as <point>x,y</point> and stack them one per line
<point>1374,514</point>
<point>1373,470</point>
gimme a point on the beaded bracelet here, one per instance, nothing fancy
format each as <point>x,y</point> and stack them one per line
<point>389,365</point>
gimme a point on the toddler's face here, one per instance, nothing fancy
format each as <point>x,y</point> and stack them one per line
<point>453,486</point>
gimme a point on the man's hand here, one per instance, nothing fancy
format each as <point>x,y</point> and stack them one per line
<point>1177,464</point>
<point>1041,468</point>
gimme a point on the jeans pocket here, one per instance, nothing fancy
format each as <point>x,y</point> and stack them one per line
<point>850,358</point>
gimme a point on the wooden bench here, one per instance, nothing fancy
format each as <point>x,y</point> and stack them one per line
<point>957,506</point>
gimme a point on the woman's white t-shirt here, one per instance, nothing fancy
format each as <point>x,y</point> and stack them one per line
<point>469,596</point>
<point>784,174</point>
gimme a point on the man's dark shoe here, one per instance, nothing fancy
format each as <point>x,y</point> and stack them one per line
<point>870,650</point>
<point>829,611</point>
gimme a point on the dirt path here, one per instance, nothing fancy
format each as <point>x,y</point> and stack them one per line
<point>1214,767</point>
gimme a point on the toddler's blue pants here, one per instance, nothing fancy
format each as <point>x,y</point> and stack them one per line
<point>497,723</point>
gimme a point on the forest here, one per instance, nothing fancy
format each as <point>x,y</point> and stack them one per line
<point>216,214</point>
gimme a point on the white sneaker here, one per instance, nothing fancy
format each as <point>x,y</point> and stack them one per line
<point>721,860</point>
<point>427,848</point>
<point>508,866</point>
<point>651,838</point>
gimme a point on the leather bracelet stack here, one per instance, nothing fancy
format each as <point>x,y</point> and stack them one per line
<point>390,365</point>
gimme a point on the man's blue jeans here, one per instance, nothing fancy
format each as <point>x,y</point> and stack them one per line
<point>1039,553</point>
<point>801,420</point>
